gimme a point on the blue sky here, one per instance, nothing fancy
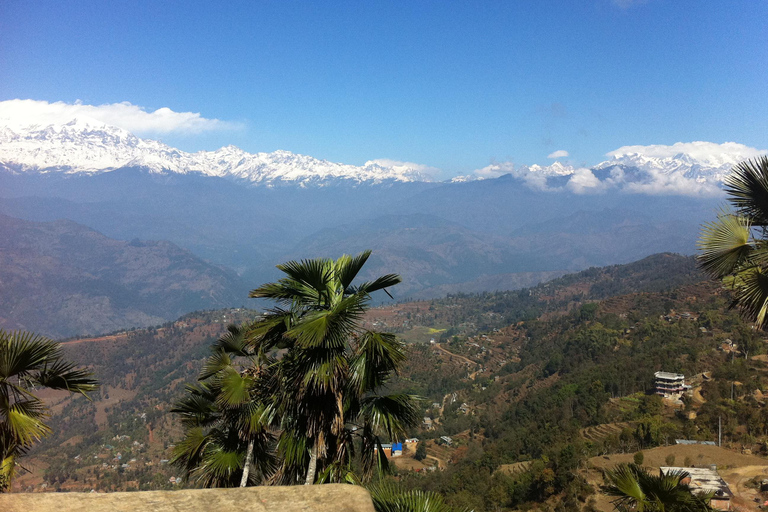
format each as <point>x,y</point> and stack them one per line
<point>454,85</point>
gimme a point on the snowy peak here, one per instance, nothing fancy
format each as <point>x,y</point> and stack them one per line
<point>84,145</point>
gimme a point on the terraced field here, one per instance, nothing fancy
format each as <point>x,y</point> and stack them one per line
<point>597,433</point>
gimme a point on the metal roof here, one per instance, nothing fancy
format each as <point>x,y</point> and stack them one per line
<point>703,479</point>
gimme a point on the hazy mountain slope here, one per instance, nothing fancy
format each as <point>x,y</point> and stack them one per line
<point>436,256</point>
<point>250,212</point>
<point>61,279</point>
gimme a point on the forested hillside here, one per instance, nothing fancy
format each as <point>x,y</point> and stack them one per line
<point>528,385</point>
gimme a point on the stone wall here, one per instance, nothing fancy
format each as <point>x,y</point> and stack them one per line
<point>315,498</point>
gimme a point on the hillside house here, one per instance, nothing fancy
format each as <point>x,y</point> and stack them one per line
<point>669,385</point>
<point>707,480</point>
<point>390,449</point>
<point>427,423</point>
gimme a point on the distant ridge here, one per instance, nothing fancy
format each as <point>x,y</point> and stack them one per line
<point>62,279</point>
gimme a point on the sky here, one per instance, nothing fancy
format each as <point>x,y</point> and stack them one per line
<point>456,86</point>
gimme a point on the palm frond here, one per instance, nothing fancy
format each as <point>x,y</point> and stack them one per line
<point>380,283</point>
<point>392,414</point>
<point>751,294</point>
<point>234,388</point>
<point>24,352</point>
<point>347,268</point>
<point>387,497</point>
<point>747,190</point>
<point>197,408</point>
<point>25,421</point>
<point>63,375</point>
<point>233,342</point>
<point>329,328</point>
<point>378,355</point>
<point>724,244</point>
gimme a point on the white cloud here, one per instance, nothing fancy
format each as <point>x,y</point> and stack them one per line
<point>560,153</point>
<point>711,153</point>
<point>495,170</point>
<point>583,181</point>
<point>534,180</point>
<point>684,168</point>
<point>401,166</point>
<point>124,115</point>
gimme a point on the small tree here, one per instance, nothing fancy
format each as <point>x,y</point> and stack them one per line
<point>421,451</point>
<point>639,458</point>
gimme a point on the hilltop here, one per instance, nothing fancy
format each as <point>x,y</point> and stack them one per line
<point>62,279</point>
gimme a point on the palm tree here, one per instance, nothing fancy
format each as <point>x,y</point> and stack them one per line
<point>28,361</point>
<point>734,248</point>
<point>330,378</point>
<point>636,489</point>
<point>310,374</point>
<point>226,418</point>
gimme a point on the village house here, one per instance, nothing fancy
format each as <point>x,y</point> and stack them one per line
<point>704,481</point>
<point>669,385</point>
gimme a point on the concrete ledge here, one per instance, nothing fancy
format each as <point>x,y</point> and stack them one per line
<point>320,498</point>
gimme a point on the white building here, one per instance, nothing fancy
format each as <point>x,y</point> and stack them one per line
<point>669,385</point>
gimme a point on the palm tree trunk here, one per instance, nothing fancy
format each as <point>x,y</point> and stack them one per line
<point>248,461</point>
<point>312,466</point>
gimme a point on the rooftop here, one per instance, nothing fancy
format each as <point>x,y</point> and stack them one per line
<point>668,375</point>
<point>703,479</point>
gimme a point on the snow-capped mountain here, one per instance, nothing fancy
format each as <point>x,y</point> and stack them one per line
<point>91,147</point>
<point>699,161</point>
<point>685,168</point>
<point>87,146</point>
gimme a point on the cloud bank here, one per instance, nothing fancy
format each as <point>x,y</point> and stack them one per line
<point>684,168</point>
<point>706,152</point>
<point>560,153</point>
<point>124,115</point>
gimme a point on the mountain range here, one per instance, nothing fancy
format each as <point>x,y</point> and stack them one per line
<point>504,227</point>
<point>88,146</point>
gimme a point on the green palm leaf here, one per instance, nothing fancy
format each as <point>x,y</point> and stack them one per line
<point>392,413</point>
<point>747,190</point>
<point>751,294</point>
<point>389,498</point>
<point>25,419</point>
<point>347,268</point>
<point>724,244</point>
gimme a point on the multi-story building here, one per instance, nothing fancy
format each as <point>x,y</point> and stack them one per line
<point>669,384</point>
